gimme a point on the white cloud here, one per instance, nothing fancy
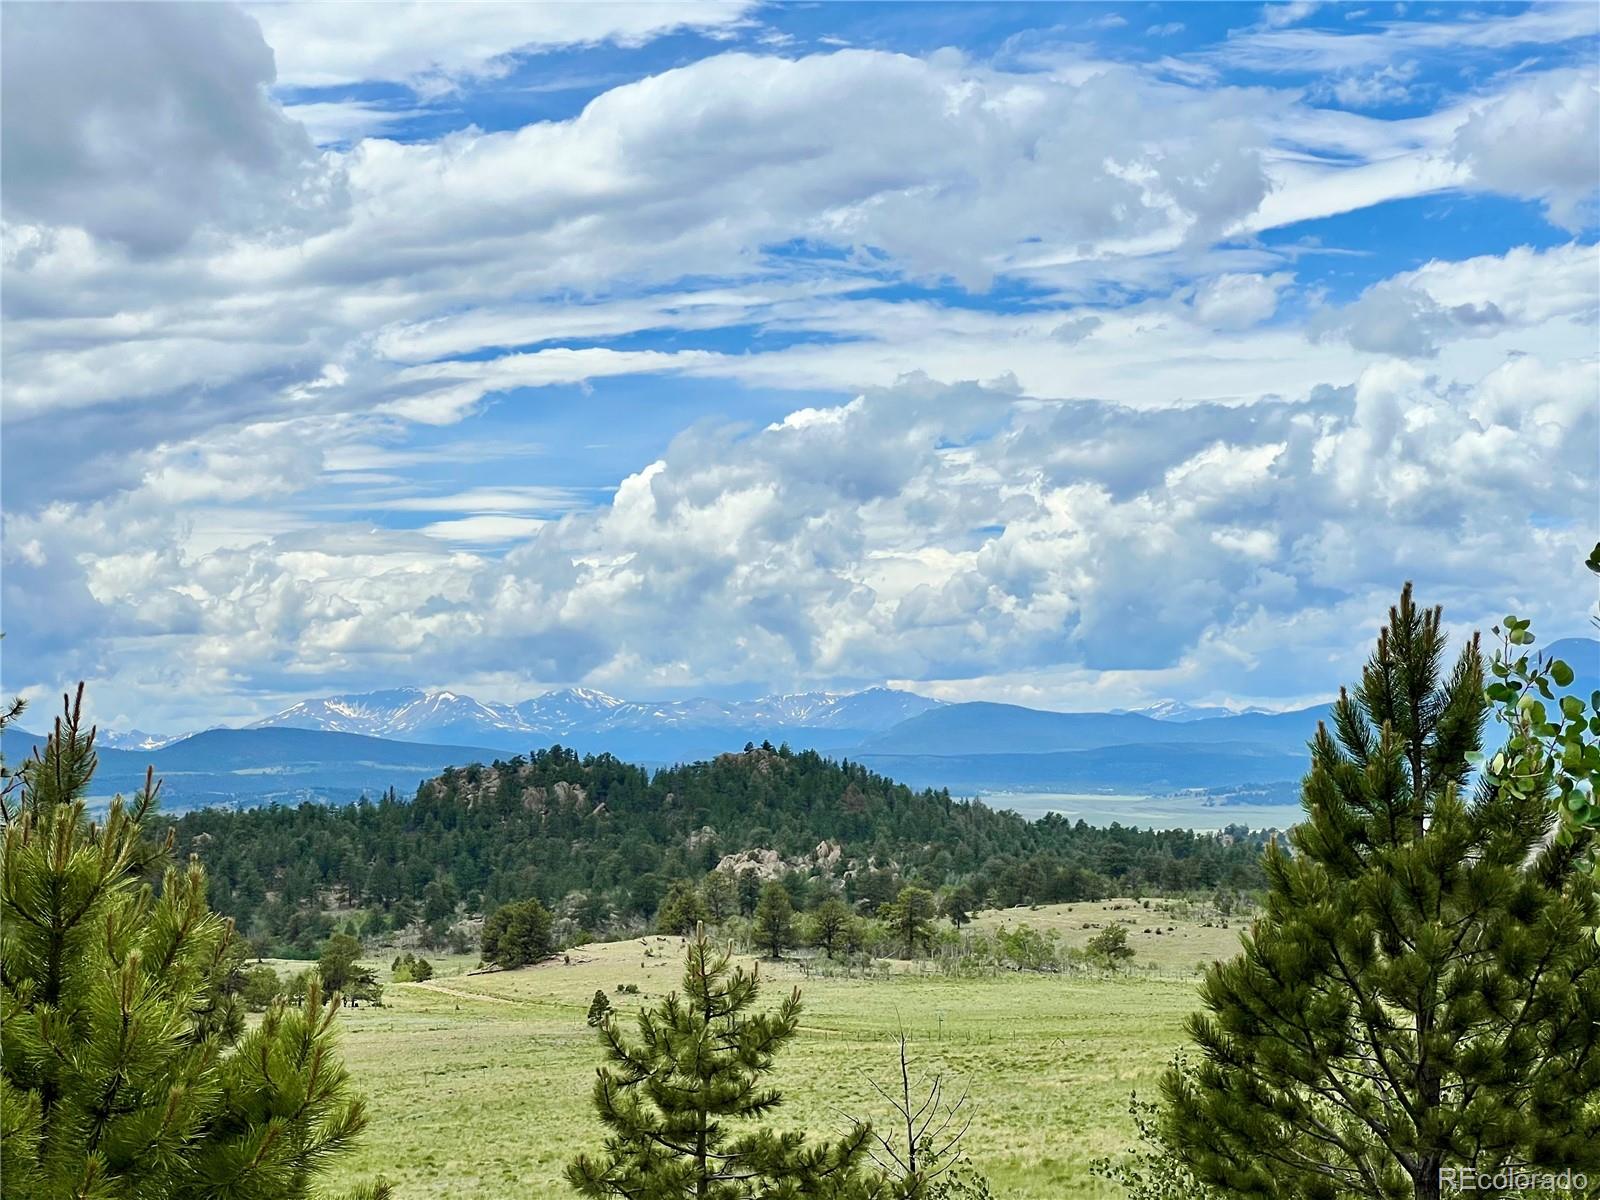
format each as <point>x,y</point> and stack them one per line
<point>248,379</point>
<point>483,529</point>
<point>145,123</point>
<point>1313,50</point>
<point>695,171</point>
<point>1238,301</point>
<point>342,121</point>
<point>928,532</point>
<point>698,168</point>
<point>322,45</point>
<point>1415,313</point>
<point>486,501</point>
<point>1391,83</point>
<point>1539,138</point>
<point>1276,16</point>
<point>440,393</point>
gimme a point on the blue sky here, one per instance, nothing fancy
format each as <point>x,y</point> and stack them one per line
<point>1076,355</point>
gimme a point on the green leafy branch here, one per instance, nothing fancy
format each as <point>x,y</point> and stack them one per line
<point>1553,743</point>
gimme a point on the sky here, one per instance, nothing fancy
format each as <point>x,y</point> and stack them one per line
<point>1070,355</point>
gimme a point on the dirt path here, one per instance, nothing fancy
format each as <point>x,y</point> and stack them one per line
<point>459,994</point>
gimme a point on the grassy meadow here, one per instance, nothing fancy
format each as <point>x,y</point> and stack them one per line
<point>478,1084</point>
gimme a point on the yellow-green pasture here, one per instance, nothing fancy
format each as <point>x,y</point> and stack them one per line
<point>478,1084</point>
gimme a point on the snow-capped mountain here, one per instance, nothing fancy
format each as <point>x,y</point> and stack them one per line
<point>404,714</point>
<point>875,708</point>
<point>667,727</point>
<point>1177,710</point>
<point>134,739</point>
<point>566,711</point>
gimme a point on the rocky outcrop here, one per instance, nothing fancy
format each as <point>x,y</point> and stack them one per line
<point>769,864</point>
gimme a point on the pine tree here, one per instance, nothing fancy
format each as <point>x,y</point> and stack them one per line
<point>775,919</point>
<point>830,924</point>
<point>599,1009</point>
<point>1416,996</point>
<point>337,962</point>
<point>124,1068</point>
<point>748,890</point>
<point>515,935</point>
<point>958,905</point>
<point>670,1098</point>
<point>1110,946</point>
<point>718,892</point>
<point>911,917</point>
<point>681,909</point>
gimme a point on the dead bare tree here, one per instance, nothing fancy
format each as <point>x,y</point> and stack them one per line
<point>927,1126</point>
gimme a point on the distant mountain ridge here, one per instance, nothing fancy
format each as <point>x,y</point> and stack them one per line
<point>328,749</point>
<point>449,717</point>
<point>982,728</point>
<point>252,767</point>
<point>339,747</point>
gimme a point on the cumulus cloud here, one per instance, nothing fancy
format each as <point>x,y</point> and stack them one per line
<point>1396,318</point>
<point>1540,139</point>
<point>1276,16</point>
<point>260,360</point>
<point>701,170</point>
<point>927,531</point>
<point>142,123</point>
<point>1415,313</point>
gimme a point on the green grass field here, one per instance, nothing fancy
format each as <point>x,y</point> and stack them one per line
<point>478,1085</point>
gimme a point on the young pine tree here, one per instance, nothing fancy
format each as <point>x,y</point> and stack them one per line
<point>672,1101</point>
<point>1417,995</point>
<point>124,1068</point>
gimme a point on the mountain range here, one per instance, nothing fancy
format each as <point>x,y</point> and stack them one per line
<point>667,730</point>
<point>339,747</point>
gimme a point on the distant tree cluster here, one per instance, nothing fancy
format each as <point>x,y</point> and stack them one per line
<point>608,846</point>
<point>515,935</point>
<point>410,968</point>
<point>342,973</point>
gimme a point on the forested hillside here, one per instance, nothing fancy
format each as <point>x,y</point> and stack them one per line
<point>603,840</point>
